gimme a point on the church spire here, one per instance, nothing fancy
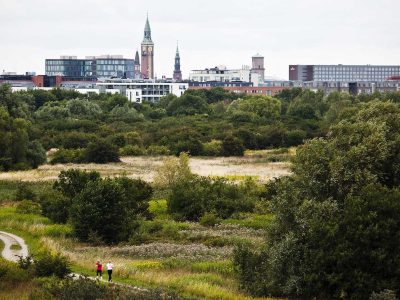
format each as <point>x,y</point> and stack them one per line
<point>147,31</point>
<point>177,68</point>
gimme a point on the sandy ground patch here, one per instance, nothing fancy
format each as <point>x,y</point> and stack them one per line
<point>145,168</point>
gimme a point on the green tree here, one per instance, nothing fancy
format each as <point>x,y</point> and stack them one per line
<point>101,152</point>
<point>336,228</point>
<point>109,208</point>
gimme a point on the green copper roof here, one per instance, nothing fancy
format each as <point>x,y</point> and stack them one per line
<point>147,31</point>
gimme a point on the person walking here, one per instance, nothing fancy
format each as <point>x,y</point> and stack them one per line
<point>99,270</point>
<point>109,271</point>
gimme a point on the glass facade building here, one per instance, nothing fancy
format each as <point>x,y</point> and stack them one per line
<point>347,73</point>
<point>107,66</point>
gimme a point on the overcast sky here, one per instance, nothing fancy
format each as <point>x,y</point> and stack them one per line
<point>210,32</point>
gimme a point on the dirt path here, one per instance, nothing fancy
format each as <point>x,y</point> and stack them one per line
<point>14,246</point>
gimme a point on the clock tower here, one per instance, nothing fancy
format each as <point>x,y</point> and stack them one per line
<point>147,50</point>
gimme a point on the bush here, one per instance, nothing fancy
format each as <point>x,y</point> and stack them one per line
<point>73,181</point>
<point>52,265</point>
<point>192,197</point>
<point>64,156</point>
<point>24,192</point>
<point>172,170</point>
<point>212,148</point>
<point>232,146</point>
<point>101,152</point>
<point>110,208</point>
<point>156,150</point>
<point>55,206</point>
<point>28,207</point>
<point>132,150</point>
<point>209,219</point>
<point>11,273</point>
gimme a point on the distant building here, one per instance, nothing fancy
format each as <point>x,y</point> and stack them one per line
<point>355,88</point>
<point>142,90</point>
<point>221,73</point>
<point>147,65</point>
<point>137,66</point>
<point>91,66</point>
<point>258,66</point>
<point>177,66</point>
<point>342,73</point>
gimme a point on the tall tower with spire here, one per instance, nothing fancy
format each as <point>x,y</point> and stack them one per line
<point>147,65</point>
<point>177,69</point>
<point>137,65</point>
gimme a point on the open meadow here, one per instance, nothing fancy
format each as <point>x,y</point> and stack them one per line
<point>259,165</point>
<point>185,258</point>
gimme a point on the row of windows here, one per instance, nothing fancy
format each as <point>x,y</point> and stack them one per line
<point>359,68</point>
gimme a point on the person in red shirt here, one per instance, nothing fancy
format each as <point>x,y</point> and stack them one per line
<point>99,270</point>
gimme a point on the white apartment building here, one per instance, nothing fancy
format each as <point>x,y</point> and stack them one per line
<point>221,73</point>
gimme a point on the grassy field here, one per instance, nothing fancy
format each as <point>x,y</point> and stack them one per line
<point>184,257</point>
<point>261,165</point>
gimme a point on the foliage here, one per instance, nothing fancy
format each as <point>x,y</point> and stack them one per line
<point>55,206</point>
<point>101,152</point>
<point>52,265</point>
<point>71,182</point>
<point>24,192</point>
<point>192,197</point>
<point>29,207</point>
<point>110,208</point>
<point>336,228</point>
<point>63,156</point>
<point>209,219</point>
<point>172,171</point>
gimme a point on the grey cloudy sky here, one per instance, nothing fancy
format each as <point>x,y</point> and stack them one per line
<point>210,32</point>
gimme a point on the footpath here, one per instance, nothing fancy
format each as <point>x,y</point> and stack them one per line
<point>14,246</point>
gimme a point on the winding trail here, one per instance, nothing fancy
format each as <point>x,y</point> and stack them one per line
<point>9,240</point>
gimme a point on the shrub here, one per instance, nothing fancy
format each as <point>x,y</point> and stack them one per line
<point>132,150</point>
<point>73,181</point>
<point>212,148</point>
<point>101,152</point>
<point>232,146</point>
<point>110,208</point>
<point>28,207</point>
<point>52,265</point>
<point>24,192</point>
<point>64,156</point>
<point>155,150</point>
<point>55,206</point>
<point>172,170</point>
<point>11,273</point>
<point>192,197</point>
<point>209,219</point>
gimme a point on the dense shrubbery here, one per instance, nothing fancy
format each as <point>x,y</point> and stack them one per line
<point>195,196</point>
<point>336,230</point>
<point>200,122</point>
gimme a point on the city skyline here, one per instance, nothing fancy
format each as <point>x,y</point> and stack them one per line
<point>210,34</point>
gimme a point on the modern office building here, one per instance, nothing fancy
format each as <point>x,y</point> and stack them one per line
<point>147,65</point>
<point>91,66</point>
<point>355,88</point>
<point>342,73</point>
<point>177,75</point>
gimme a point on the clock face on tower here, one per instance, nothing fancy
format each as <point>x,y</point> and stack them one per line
<point>150,49</point>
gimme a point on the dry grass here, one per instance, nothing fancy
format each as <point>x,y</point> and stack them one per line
<point>145,167</point>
